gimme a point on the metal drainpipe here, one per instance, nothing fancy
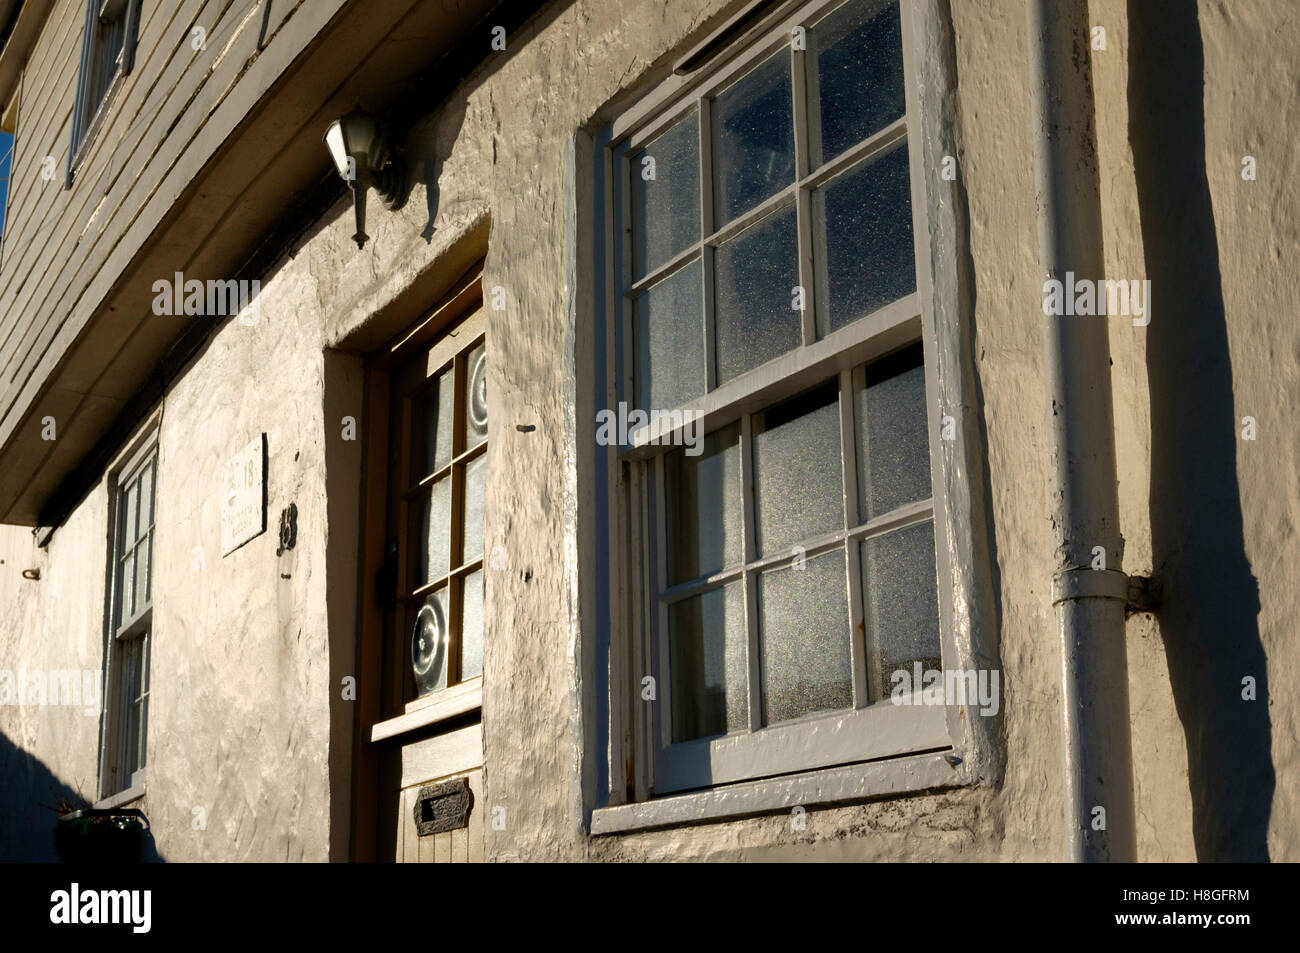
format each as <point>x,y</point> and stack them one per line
<point>1089,602</point>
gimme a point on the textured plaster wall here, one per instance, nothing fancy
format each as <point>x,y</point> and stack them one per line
<point>1214,514</point>
<point>1251,103</point>
<point>239,724</point>
<point>1161,795</point>
<point>49,753</point>
<point>240,709</point>
<point>244,693</point>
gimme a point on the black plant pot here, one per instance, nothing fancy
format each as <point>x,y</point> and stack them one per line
<point>100,836</point>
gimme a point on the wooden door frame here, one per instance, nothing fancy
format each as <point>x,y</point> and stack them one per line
<point>465,295</point>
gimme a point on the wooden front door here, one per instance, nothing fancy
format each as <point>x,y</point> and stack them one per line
<point>456,846</point>
<point>423,651</point>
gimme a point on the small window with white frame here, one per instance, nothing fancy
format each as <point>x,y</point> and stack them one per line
<point>107,54</point>
<point>126,699</point>
<point>780,531</point>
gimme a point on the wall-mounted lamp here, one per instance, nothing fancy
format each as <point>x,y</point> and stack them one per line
<point>361,153</point>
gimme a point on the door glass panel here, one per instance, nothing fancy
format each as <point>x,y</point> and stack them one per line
<point>433,535</point>
<point>472,535</point>
<point>433,417</point>
<point>429,639</point>
<point>471,620</point>
<point>476,407</point>
<point>434,529</point>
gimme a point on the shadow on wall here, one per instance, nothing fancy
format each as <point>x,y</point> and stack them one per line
<point>1209,618</point>
<point>30,797</point>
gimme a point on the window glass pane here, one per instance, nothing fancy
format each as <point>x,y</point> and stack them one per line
<point>798,485</point>
<point>433,416</point>
<point>704,507</point>
<point>131,516</point>
<point>132,754</point>
<point>471,626</point>
<point>670,341</point>
<point>898,580</point>
<point>707,664</point>
<point>756,273</point>
<point>804,635</point>
<point>143,570</point>
<point>623,337</point>
<point>858,50</point>
<point>126,594</point>
<point>476,414</point>
<point>863,240</point>
<point>130,659</point>
<point>472,532</point>
<point>753,139</point>
<point>142,733</point>
<point>142,713</point>
<point>6,166</point>
<point>147,644</point>
<point>666,208</point>
<point>431,545</point>
<point>428,646</point>
<point>104,47</point>
<point>893,439</point>
<point>146,497</point>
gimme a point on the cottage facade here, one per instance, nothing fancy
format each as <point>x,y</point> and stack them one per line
<point>348,569</point>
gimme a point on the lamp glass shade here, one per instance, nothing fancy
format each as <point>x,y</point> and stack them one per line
<point>361,134</point>
<point>337,147</point>
<point>355,135</point>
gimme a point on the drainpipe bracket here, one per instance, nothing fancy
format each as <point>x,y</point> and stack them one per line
<point>1089,584</point>
<point>1145,593</point>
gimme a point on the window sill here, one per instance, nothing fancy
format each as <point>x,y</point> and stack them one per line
<point>449,703</point>
<point>850,783</point>
<point>133,793</point>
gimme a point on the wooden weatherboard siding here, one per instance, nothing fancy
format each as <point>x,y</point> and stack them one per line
<point>66,248</point>
<point>200,155</point>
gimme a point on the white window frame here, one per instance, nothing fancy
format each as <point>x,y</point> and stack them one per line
<point>114,724</point>
<point>867,751</point>
<point>88,116</point>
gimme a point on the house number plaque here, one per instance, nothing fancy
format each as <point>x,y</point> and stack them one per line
<point>243,496</point>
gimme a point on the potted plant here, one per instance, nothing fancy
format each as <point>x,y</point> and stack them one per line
<point>83,834</point>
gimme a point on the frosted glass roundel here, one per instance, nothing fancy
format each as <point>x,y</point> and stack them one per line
<point>477,397</point>
<point>429,645</point>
